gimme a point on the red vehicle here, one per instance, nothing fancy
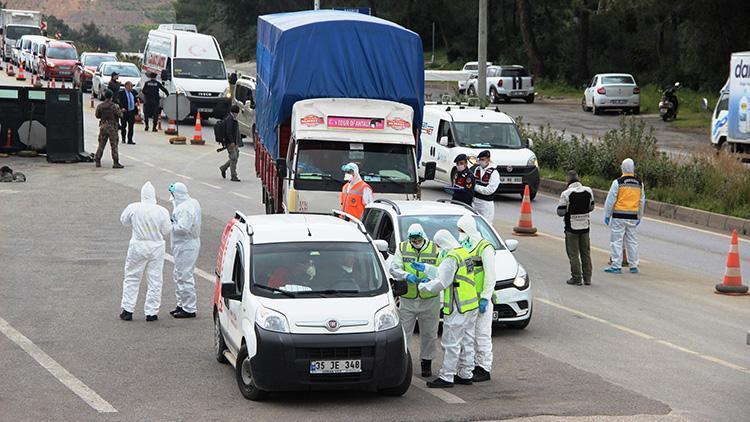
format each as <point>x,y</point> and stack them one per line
<point>84,71</point>
<point>57,60</point>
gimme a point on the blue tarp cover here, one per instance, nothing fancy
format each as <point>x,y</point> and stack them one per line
<point>333,54</point>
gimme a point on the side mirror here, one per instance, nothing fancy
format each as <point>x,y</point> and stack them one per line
<point>78,63</point>
<point>399,287</point>
<point>443,141</point>
<point>381,245</point>
<point>165,75</point>
<point>704,104</point>
<point>529,143</point>
<point>229,291</point>
<point>429,171</point>
<point>281,168</point>
<point>511,244</point>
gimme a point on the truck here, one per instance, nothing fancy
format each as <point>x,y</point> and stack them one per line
<point>335,87</point>
<point>730,121</point>
<point>13,25</point>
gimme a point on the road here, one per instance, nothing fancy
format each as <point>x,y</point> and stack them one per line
<point>658,346</point>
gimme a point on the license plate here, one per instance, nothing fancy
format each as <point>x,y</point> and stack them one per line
<point>517,93</point>
<point>494,315</point>
<point>512,180</point>
<point>619,101</point>
<point>205,110</point>
<point>663,109</point>
<point>64,73</point>
<point>335,366</point>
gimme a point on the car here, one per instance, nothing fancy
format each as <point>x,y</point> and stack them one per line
<point>389,221</point>
<point>505,83</point>
<point>469,69</point>
<point>188,27</point>
<point>244,98</point>
<point>26,53</point>
<point>128,72</point>
<point>303,302</point>
<point>57,60</point>
<point>449,131</point>
<point>608,91</point>
<point>16,52</point>
<point>83,74</point>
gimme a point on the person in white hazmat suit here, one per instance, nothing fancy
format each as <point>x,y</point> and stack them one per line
<point>416,305</point>
<point>623,210</point>
<point>487,182</point>
<point>460,305</point>
<point>150,223</point>
<point>186,245</point>
<point>483,253</point>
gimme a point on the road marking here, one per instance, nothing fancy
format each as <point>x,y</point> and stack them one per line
<point>210,185</point>
<point>437,392</point>
<point>183,176</point>
<point>66,378</point>
<point>596,248</point>
<point>643,335</point>
<point>241,195</point>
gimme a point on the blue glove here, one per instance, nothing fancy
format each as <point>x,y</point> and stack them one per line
<point>424,280</point>
<point>637,223</point>
<point>418,266</point>
<point>411,278</point>
<point>606,220</point>
<point>483,305</point>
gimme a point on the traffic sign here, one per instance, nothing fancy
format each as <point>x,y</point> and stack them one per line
<point>176,107</point>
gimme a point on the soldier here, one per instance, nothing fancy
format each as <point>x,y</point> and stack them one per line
<point>108,114</point>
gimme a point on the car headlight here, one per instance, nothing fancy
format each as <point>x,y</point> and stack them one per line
<point>386,318</point>
<point>271,320</point>
<point>522,279</point>
<point>227,93</point>
<point>51,64</point>
<point>532,161</point>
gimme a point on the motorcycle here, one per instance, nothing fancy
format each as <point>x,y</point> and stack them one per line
<point>668,103</point>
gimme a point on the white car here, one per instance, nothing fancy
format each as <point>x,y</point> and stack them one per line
<point>470,68</point>
<point>303,302</point>
<point>389,220</point>
<point>244,98</point>
<point>128,72</point>
<point>449,131</point>
<point>505,83</point>
<point>26,55</point>
<point>609,91</point>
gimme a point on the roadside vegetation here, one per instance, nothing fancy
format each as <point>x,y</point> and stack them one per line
<point>708,181</point>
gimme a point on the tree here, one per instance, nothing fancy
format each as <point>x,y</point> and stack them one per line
<point>527,33</point>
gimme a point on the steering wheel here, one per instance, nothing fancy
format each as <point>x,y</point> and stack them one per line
<point>344,284</point>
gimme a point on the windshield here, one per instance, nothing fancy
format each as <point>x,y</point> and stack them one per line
<point>94,61</point>
<point>199,69</point>
<point>122,70</point>
<point>432,223</point>
<point>62,53</point>
<point>487,135</point>
<point>386,167</point>
<point>617,80</point>
<point>315,269</point>
<point>515,72</point>
<point>16,32</point>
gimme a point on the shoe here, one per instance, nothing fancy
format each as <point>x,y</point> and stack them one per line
<point>98,163</point>
<point>633,270</point>
<point>439,383</point>
<point>126,316</point>
<point>223,173</point>
<point>480,374</point>
<point>146,128</point>
<point>573,282</point>
<point>183,314</point>
<point>613,270</point>
<point>150,318</point>
<point>235,179</point>
<point>587,282</point>
<point>131,143</point>
<point>175,310</point>
<point>117,166</point>
<point>426,368</point>
<point>154,130</point>
<point>462,381</point>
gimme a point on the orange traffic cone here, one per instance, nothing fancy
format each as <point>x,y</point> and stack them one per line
<point>171,128</point>
<point>198,137</point>
<point>525,227</point>
<point>732,283</point>
<point>20,76</point>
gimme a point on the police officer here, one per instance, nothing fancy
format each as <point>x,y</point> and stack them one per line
<point>108,114</point>
<point>463,178</point>
<point>487,182</point>
<point>151,96</point>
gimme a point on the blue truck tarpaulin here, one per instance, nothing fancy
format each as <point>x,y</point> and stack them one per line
<point>334,54</point>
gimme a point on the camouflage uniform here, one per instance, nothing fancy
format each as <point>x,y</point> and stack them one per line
<point>109,115</point>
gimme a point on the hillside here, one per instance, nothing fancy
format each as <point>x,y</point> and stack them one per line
<point>114,17</point>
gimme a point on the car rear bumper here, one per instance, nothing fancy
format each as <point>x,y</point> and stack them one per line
<point>619,102</point>
<point>282,361</point>
<point>515,93</point>
<point>529,176</point>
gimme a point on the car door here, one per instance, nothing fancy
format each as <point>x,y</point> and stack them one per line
<point>386,231</point>
<point>240,94</point>
<point>442,153</point>
<point>96,80</point>
<point>234,270</point>
<point>371,219</point>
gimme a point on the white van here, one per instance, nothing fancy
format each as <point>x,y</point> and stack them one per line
<point>448,131</point>
<point>189,64</point>
<point>303,302</point>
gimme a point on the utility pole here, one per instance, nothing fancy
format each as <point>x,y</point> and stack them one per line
<point>316,5</point>
<point>482,70</point>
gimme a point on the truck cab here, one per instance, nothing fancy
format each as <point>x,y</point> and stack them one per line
<point>719,120</point>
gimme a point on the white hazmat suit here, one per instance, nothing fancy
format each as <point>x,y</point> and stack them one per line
<point>624,228</point>
<point>486,208</point>
<point>186,244</point>
<point>150,223</point>
<point>483,332</point>
<point>458,329</point>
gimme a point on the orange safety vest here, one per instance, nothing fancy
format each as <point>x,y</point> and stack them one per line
<point>352,198</point>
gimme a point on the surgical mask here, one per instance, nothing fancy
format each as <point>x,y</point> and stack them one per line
<point>348,176</point>
<point>460,167</point>
<point>467,243</point>
<point>417,243</point>
<point>484,164</point>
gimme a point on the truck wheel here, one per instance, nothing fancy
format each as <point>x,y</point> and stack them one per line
<point>530,99</point>
<point>219,345</point>
<point>494,98</point>
<point>245,378</point>
<point>402,388</point>
<point>636,110</point>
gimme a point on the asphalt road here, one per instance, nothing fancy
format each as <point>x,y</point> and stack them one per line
<point>658,345</point>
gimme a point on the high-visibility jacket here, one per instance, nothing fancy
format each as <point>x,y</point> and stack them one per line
<point>628,202</point>
<point>352,195</point>
<point>462,294</point>
<point>476,254</point>
<point>427,255</point>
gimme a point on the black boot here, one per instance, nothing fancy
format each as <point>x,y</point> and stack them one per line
<point>480,374</point>
<point>439,383</point>
<point>126,316</point>
<point>175,310</point>
<point>426,368</point>
<point>150,318</point>
<point>183,314</point>
<point>573,282</point>
<point>462,381</point>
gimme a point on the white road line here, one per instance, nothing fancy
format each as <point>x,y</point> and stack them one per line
<point>66,378</point>
<point>643,335</point>
<point>241,195</point>
<point>183,176</point>
<point>441,394</point>
<point>596,248</point>
<point>210,185</point>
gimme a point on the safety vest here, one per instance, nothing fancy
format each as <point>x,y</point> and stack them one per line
<point>462,294</point>
<point>427,255</point>
<point>483,180</point>
<point>352,195</point>
<point>476,254</point>
<point>628,202</point>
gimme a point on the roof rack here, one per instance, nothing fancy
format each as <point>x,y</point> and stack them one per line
<point>454,202</point>
<point>391,203</point>
<point>350,219</point>
<point>243,219</point>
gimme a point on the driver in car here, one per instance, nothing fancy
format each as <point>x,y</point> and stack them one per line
<point>300,273</point>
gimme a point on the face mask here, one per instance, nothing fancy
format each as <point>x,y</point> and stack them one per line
<point>484,164</point>
<point>460,167</point>
<point>348,176</point>
<point>462,236</point>
<point>417,243</point>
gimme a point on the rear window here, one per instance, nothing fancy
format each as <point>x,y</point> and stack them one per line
<point>516,72</point>
<point>617,80</point>
<point>96,60</point>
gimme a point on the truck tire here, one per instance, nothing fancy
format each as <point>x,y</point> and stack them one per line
<point>597,110</point>
<point>402,388</point>
<point>219,345</point>
<point>530,99</point>
<point>245,378</point>
<point>494,98</point>
<point>583,105</point>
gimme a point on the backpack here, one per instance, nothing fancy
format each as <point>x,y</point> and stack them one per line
<point>220,131</point>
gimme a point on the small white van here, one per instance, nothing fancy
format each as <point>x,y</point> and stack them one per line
<point>303,302</point>
<point>448,131</point>
<point>189,64</point>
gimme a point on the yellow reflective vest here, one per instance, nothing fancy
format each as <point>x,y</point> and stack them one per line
<point>462,294</point>
<point>427,255</point>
